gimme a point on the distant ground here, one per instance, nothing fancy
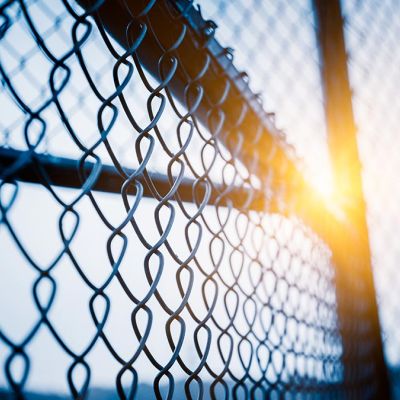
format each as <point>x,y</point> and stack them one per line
<point>144,392</point>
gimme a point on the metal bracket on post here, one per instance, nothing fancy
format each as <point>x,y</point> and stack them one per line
<point>346,164</point>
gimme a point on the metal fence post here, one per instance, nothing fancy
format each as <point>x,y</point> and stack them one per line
<point>342,140</point>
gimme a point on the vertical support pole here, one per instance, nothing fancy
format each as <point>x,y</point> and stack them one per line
<point>352,259</point>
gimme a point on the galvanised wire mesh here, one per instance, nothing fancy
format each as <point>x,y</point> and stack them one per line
<point>372,33</point>
<point>178,285</point>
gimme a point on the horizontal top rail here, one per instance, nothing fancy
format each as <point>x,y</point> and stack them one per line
<point>206,67</point>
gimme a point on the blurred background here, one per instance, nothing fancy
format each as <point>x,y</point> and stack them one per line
<point>275,42</point>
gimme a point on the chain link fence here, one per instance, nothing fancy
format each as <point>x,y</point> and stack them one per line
<point>372,33</point>
<point>148,255</point>
<point>275,43</point>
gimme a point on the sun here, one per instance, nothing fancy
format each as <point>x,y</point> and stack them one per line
<point>322,182</point>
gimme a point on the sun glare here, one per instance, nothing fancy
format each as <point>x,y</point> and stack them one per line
<point>323,184</point>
